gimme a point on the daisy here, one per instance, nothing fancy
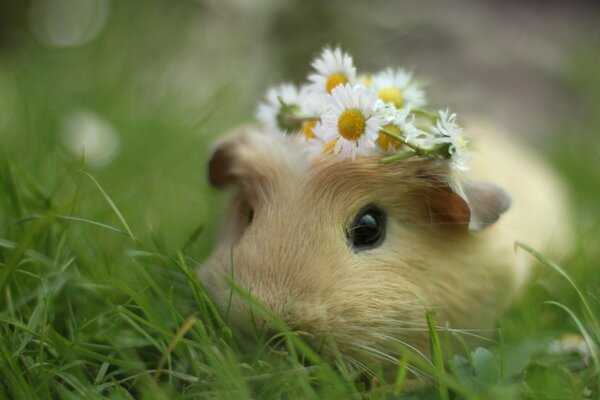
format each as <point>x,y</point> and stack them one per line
<point>350,122</point>
<point>384,110</point>
<point>460,154</point>
<point>364,79</point>
<point>447,131</point>
<point>334,68</point>
<point>313,105</point>
<point>397,87</point>
<point>400,125</point>
<point>273,114</point>
<point>316,146</point>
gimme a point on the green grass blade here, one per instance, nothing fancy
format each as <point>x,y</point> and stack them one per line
<point>183,329</point>
<point>13,376</point>
<point>7,179</point>
<point>191,240</point>
<point>111,204</point>
<point>436,355</point>
<point>291,337</point>
<point>19,251</point>
<point>201,297</point>
<point>90,222</point>
<point>557,268</point>
<point>584,332</point>
<point>401,372</point>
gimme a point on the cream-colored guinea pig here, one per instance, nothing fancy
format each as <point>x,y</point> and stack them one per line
<point>354,252</point>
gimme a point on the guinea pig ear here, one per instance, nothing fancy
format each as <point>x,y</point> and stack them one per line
<point>486,202</point>
<point>219,166</point>
<point>225,160</point>
<point>252,157</point>
<point>476,204</point>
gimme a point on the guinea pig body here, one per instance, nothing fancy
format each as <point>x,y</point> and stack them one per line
<point>289,239</point>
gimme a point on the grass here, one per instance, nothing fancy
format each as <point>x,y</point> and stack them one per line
<point>98,292</point>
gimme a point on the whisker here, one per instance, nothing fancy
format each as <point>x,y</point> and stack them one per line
<point>419,373</point>
<point>403,343</point>
<point>381,355</point>
<point>388,357</point>
<point>469,332</point>
<point>360,366</point>
<point>378,353</point>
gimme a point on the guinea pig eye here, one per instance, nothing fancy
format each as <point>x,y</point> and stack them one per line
<point>368,228</point>
<point>245,214</point>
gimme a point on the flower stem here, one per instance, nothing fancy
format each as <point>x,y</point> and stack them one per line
<point>423,113</point>
<point>397,157</point>
<point>403,140</point>
<point>439,150</point>
<point>298,120</point>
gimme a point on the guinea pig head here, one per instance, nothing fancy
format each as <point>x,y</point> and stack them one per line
<point>352,253</point>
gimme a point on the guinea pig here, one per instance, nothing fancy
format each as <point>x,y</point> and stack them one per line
<point>355,252</point>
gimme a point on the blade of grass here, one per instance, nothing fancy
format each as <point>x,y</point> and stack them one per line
<point>90,222</point>
<point>191,240</point>
<point>10,187</point>
<point>277,324</point>
<point>42,259</point>
<point>208,308</point>
<point>584,332</point>
<point>587,309</point>
<point>436,355</point>
<point>111,204</point>
<point>19,251</point>
<point>134,321</point>
<point>400,375</point>
<point>13,376</point>
<point>183,329</point>
<point>230,298</point>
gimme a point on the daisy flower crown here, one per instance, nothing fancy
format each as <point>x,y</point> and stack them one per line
<point>345,114</point>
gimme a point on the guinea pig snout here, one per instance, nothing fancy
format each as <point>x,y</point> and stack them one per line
<point>269,307</point>
<point>262,309</point>
<point>263,284</point>
<point>272,318</point>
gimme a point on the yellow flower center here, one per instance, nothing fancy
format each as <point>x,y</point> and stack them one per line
<point>384,141</point>
<point>392,95</point>
<point>307,129</point>
<point>351,124</point>
<point>367,80</point>
<point>335,79</point>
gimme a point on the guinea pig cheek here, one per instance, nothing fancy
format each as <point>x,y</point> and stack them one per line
<point>238,219</point>
<point>375,305</point>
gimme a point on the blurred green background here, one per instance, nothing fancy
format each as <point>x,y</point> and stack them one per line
<point>146,86</point>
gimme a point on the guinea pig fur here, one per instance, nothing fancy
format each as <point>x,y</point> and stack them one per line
<point>447,245</point>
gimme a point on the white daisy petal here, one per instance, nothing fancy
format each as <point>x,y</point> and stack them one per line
<point>385,111</point>
<point>338,113</point>
<point>269,111</point>
<point>333,67</point>
<point>397,86</point>
<point>447,131</point>
<point>314,104</point>
<point>400,122</point>
<point>351,122</point>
